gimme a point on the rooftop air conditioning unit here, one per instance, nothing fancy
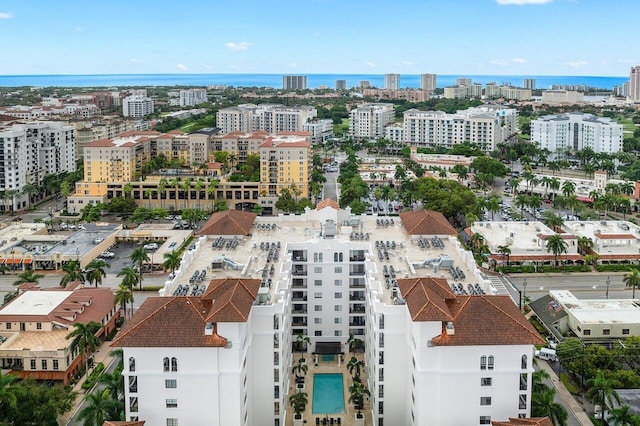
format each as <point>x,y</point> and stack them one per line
<point>450,328</point>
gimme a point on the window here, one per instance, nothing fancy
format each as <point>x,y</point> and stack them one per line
<point>337,320</point>
<point>524,378</point>
<point>55,364</point>
<point>485,420</point>
<point>587,333</point>
<point>625,331</point>
<point>380,407</point>
<point>44,364</point>
<point>338,270</point>
<point>172,403</point>
<point>317,282</point>
<point>338,283</point>
<point>33,364</point>
<point>317,269</point>
<point>338,295</point>
<point>317,320</point>
<point>483,362</point>
<point>38,326</point>
<point>337,308</point>
<point>318,333</point>
<point>485,400</point>
<point>170,383</point>
<point>165,363</point>
<point>523,362</point>
<point>317,295</point>
<point>132,364</point>
<point>485,381</point>
<point>133,404</point>
<point>317,308</point>
<point>490,365</point>
<point>606,332</point>
<point>522,402</point>
<point>133,383</point>
<point>172,422</point>
<point>276,391</point>
<point>337,333</point>
<point>381,374</point>
<point>8,326</point>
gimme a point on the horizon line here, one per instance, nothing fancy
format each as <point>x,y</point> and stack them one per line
<point>304,74</point>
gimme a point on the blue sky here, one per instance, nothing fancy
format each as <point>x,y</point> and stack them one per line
<point>508,37</point>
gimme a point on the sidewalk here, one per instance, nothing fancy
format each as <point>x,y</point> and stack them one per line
<point>102,355</point>
<point>569,401</point>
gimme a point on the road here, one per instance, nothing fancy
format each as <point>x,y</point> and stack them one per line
<point>331,186</point>
<point>582,285</point>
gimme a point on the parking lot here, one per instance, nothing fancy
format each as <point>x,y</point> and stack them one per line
<point>122,258</point>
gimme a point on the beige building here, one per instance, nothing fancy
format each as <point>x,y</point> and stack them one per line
<point>285,162</point>
<point>271,118</point>
<point>634,83</point>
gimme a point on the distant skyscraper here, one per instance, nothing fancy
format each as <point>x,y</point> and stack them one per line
<point>365,84</point>
<point>624,91</point>
<point>392,81</point>
<point>634,83</point>
<point>529,83</point>
<point>428,82</point>
<point>463,82</point>
<point>294,82</point>
<point>341,84</point>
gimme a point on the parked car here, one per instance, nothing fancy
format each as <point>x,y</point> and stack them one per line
<point>150,246</point>
<point>98,240</point>
<point>107,254</point>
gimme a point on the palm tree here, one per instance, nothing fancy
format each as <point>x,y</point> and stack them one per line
<point>98,408</point>
<point>127,189</point>
<point>632,279</point>
<point>354,343</point>
<point>28,276</point>
<point>543,405</point>
<point>584,245</point>
<point>72,273</point>
<point>162,189</point>
<point>356,365</point>
<point>130,279</point>
<point>139,256</point>
<point>602,390</point>
<point>123,296</point>
<point>148,193</point>
<point>493,205</point>
<point>171,260</point>
<point>568,188</point>
<point>30,190</point>
<point>175,184</point>
<point>298,402</point>
<point>534,202</point>
<point>622,416</point>
<point>357,391</point>
<point>84,339</point>
<point>96,271</point>
<point>537,381</point>
<point>185,188</point>
<point>554,185</point>
<point>114,383</point>
<point>197,186</point>
<point>556,245</point>
<point>300,369</point>
<point>211,191</point>
<point>301,342</point>
<point>505,251</point>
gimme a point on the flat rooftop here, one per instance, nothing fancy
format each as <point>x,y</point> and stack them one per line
<point>82,241</point>
<point>596,311</point>
<point>248,256</point>
<point>36,340</point>
<point>35,303</point>
<point>521,237</point>
<point>602,229</point>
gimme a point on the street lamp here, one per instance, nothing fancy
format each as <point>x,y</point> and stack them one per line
<point>524,297</point>
<point>608,282</point>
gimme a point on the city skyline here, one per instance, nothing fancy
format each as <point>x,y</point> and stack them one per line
<point>510,37</point>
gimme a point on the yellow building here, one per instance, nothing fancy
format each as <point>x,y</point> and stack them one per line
<point>285,162</point>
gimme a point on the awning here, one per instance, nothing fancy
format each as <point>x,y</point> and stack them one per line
<point>27,261</point>
<point>13,261</point>
<point>328,348</point>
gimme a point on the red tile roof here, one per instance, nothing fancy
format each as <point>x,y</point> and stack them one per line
<point>562,235</point>
<point>614,236</point>
<point>538,257</point>
<point>327,202</point>
<point>232,299</point>
<point>100,143</point>
<point>533,421</point>
<point>477,320</point>
<point>426,222</point>
<point>229,222</point>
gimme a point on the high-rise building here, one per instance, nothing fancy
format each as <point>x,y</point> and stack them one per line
<point>428,82</point>
<point>341,84</point>
<point>529,83</point>
<point>634,83</point>
<point>30,152</point>
<point>369,120</point>
<point>392,81</point>
<point>192,97</point>
<point>137,106</point>
<point>576,131</point>
<point>285,163</point>
<point>272,118</point>
<point>463,81</point>
<point>294,82</point>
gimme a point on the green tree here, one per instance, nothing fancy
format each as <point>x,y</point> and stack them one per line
<point>72,272</point>
<point>622,416</point>
<point>355,366</point>
<point>505,251</point>
<point>301,343</point>
<point>98,407</point>
<point>171,260</point>
<point>300,369</point>
<point>298,402</point>
<point>568,188</point>
<point>162,189</point>
<point>211,191</point>
<point>543,405</point>
<point>584,245</point>
<point>631,280</point>
<point>28,276</point>
<point>84,339</point>
<point>95,271</point>
<point>552,220</point>
<point>38,404</point>
<point>602,390</point>
<point>357,392</point>
<point>556,245</point>
<point>123,296</point>
<point>9,392</point>
<point>139,256</point>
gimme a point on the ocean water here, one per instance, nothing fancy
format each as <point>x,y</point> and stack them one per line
<point>314,81</point>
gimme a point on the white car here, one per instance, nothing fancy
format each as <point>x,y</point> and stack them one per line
<point>150,246</point>
<point>107,254</point>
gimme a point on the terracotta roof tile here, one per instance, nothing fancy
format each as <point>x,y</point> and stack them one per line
<point>602,236</point>
<point>533,421</point>
<point>327,202</point>
<point>100,143</point>
<point>232,299</point>
<point>426,222</point>
<point>426,298</point>
<point>229,222</point>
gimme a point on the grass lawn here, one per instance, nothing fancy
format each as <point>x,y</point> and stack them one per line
<point>628,126</point>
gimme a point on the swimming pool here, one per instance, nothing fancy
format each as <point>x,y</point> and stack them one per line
<point>328,394</point>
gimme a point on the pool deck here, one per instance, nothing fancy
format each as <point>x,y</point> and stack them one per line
<point>348,417</point>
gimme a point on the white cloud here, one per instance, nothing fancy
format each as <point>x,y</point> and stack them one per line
<point>406,63</point>
<point>519,61</point>
<point>372,65</point>
<point>243,45</point>
<point>499,62</point>
<point>207,66</point>
<point>6,15</point>
<point>182,67</point>
<point>522,2</point>
<point>576,64</point>
<point>135,60</point>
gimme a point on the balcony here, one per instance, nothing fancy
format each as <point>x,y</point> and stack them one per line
<point>357,309</point>
<point>299,322</point>
<point>299,271</point>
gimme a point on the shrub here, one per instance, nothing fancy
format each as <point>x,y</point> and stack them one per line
<point>93,376</point>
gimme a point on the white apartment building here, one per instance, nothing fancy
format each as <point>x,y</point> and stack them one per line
<point>562,96</point>
<point>576,131</point>
<point>294,82</point>
<point>137,106</point>
<point>368,121</point>
<point>634,83</point>
<point>327,275</point>
<point>320,129</point>
<point>485,126</point>
<point>428,82</point>
<point>392,81</point>
<point>192,97</point>
<point>31,151</point>
<point>272,118</point>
